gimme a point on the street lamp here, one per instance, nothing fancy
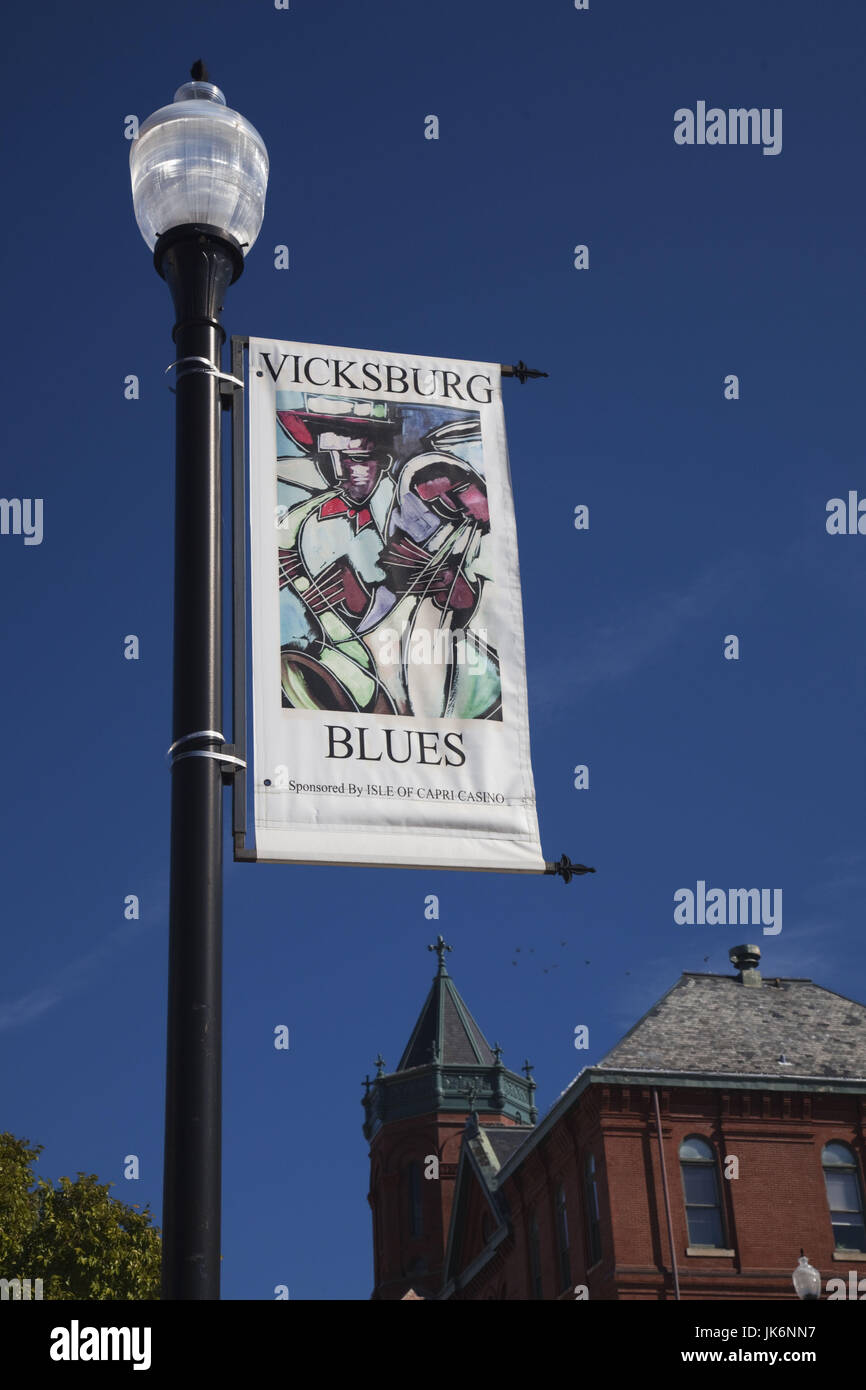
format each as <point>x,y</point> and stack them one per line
<point>199,175</point>
<point>806,1279</point>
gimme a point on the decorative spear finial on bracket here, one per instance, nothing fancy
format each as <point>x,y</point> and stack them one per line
<point>566,869</point>
<point>521,371</point>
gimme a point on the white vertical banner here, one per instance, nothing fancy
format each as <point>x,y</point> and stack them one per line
<point>389,685</point>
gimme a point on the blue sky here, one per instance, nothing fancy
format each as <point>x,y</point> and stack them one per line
<point>707,517</point>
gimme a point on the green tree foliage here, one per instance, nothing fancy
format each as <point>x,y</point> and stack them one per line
<point>80,1241</point>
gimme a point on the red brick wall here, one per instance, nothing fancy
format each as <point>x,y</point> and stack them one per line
<point>776,1205</point>
<point>395,1249</point>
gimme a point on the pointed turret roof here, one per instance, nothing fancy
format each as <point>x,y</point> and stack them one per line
<point>448,1065</point>
<point>446,1031</point>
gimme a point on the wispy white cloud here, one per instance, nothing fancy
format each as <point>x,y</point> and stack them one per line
<point>621,644</point>
<point>845,860</point>
<point>66,981</point>
<point>28,1007</point>
<point>79,972</point>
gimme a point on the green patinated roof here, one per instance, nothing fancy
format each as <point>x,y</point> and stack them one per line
<point>447,1065</point>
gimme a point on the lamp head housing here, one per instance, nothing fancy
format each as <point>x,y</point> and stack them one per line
<point>198,162</point>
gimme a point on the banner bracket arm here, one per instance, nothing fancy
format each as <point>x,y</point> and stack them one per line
<point>565,869</point>
<point>521,371</point>
<point>235,774</point>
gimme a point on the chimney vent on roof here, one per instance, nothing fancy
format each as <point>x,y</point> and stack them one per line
<point>746,959</point>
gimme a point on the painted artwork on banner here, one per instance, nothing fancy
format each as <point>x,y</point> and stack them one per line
<point>385,559</point>
<point>390,719</point>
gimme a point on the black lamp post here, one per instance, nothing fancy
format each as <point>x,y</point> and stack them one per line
<point>199,175</point>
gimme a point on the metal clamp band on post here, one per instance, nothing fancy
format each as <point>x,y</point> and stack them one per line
<point>212,735</point>
<point>206,367</point>
<point>208,753</point>
<point>200,733</point>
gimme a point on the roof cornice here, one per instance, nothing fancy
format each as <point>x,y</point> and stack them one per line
<point>638,1076</point>
<point>445,1089</point>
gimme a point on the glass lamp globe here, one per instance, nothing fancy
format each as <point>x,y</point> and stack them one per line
<point>806,1279</point>
<point>197,161</point>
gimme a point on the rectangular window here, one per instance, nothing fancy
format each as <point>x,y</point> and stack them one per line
<point>701,1192</point>
<point>843,1197</point>
<point>843,1194</point>
<point>705,1226</point>
<point>415,1221</point>
<point>535,1258</point>
<point>562,1241</point>
<point>593,1222</point>
<point>700,1185</point>
<point>850,1234</point>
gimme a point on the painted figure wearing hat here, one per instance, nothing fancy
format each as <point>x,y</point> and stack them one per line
<point>332,533</point>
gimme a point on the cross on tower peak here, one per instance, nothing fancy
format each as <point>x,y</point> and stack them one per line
<point>440,948</point>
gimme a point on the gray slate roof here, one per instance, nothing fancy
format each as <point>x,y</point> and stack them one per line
<point>446,1021</point>
<point>714,1023</point>
<point>506,1139</point>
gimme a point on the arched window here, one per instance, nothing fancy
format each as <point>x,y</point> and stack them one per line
<point>535,1258</point>
<point>593,1222</point>
<point>844,1197</point>
<point>701,1188</point>
<point>562,1240</point>
<point>416,1228</point>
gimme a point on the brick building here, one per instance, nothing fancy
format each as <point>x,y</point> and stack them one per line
<point>724,1132</point>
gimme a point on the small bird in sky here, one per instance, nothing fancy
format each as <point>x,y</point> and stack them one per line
<point>514,962</point>
<point>586,962</point>
<point>532,950</point>
<point>517,949</point>
<point>563,943</point>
